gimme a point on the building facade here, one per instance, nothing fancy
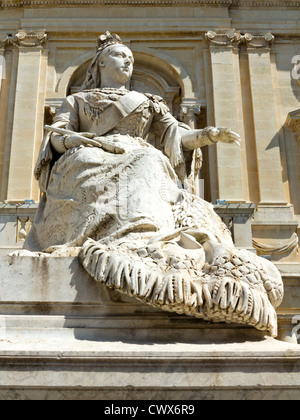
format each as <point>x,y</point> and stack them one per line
<point>216,63</point>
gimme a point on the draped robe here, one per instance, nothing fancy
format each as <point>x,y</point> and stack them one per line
<point>139,231</point>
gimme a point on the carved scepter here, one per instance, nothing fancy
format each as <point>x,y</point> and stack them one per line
<point>102,142</point>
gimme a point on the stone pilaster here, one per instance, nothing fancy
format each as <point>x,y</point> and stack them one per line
<point>223,47</point>
<point>27,129</point>
<point>264,113</point>
<point>7,87</point>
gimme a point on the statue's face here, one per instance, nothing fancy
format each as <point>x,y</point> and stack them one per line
<point>117,61</point>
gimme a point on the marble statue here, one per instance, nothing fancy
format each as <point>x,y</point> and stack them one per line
<point>119,201</point>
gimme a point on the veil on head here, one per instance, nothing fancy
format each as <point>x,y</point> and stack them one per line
<point>92,79</point>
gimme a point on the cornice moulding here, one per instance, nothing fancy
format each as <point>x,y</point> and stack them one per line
<point>166,3</point>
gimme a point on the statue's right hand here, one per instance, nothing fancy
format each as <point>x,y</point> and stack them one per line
<point>80,139</point>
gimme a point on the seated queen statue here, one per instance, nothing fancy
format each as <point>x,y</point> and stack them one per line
<point>120,201</point>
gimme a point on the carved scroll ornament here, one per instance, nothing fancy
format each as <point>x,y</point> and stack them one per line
<point>30,38</point>
<point>259,42</point>
<point>223,38</point>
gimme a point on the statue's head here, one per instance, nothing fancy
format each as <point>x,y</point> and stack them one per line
<point>113,60</point>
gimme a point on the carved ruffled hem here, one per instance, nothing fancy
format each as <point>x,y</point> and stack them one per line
<point>211,298</point>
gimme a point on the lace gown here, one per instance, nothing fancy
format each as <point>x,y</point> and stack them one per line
<point>139,231</point>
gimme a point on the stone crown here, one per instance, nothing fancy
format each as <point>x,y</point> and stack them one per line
<point>106,40</point>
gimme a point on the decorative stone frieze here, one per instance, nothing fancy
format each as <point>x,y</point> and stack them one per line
<point>30,38</point>
<point>166,3</point>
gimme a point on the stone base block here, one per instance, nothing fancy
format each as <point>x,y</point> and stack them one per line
<point>63,336</point>
<point>71,368</point>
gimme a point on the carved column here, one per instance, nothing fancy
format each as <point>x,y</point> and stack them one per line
<point>3,43</point>
<point>224,50</point>
<point>27,124</point>
<point>190,112</point>
<point>265,123</point>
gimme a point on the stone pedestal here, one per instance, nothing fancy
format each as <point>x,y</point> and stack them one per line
<point>63,336</point>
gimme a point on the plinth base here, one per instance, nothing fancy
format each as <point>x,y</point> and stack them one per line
<point>63,336</point>
<point>116,370</point>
